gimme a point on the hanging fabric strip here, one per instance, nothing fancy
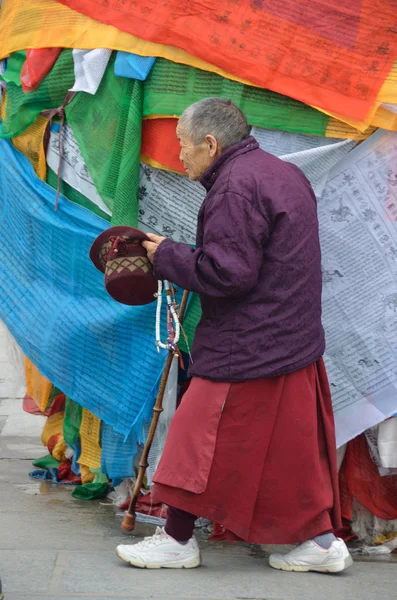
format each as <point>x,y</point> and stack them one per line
<point>31,144</point>
<point>107,128</point>
<point>90,434</point>
<point>48,285</point>
<point>89,68</point>
<point>133,65</point>
<point>38,63</point>
<point>38,387</point>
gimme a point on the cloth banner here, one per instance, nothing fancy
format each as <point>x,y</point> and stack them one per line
<point>52,299</point>
<point>60,475</point>
<point>107,128</point>
<point>50,24</point>
<point>387,443</point>
<point>56,404</point>
<point>12,74</point>
<point>46,462</point>
<point>53,427</point>
<point>89,68</point>
<point>193,316</point>
<point>359,478</point>
<point>357,215</point>
<point>72,422</point>
<point>313,52</point>
<point>73,171</point>
<point>38,387</point>
<point>117,453</point>
<point>59,471</point>
<point>31,144</point>
<point>91,491</point>
<point>390,107</point>
<point>74,195</point>
<point>38,63</point>
<point>133,65</point>
<point>87,476</point>
<point>90,431</point>
<point>71,431</point>
<point>96,489</point>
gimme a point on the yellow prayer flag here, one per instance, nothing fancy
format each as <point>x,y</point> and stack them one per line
<point>53,426</point>
<point>38,387</point>
<point>90,434</point>
<point>31,144</point>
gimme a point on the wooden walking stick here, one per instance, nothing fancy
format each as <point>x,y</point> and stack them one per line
<point>128,523</point>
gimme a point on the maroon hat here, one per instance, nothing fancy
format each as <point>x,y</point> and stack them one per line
<point>119,254</point>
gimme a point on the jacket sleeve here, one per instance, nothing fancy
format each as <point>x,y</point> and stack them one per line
<point>229,261</point>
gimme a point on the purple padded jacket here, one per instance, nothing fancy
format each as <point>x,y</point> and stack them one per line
<point>256,267</point>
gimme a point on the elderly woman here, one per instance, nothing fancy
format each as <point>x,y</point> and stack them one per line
<point>252,445</point>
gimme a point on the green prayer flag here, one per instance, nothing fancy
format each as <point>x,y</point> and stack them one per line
<point>23,109</point>
<point>14,66</point>
<point>97,489</point>
<point>46,462</point>
<point>192,317</point>
<point>107,127</point>
<point>172,87</point>
<point>71,421</point>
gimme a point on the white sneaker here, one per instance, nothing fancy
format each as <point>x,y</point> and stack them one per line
<point>311,557</point>
<point>161,550</point>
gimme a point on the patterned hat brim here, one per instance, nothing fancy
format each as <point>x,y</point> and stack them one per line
<point>103,239</point>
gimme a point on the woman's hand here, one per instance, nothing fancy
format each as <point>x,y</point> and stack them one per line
<point>151,247</point>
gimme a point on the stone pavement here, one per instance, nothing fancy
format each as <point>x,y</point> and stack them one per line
<point>54,547</point>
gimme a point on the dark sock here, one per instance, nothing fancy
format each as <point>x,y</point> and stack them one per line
<point>325,540</point>
<point>179,542</point>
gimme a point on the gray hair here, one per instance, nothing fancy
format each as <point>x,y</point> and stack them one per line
<point>215,116</point>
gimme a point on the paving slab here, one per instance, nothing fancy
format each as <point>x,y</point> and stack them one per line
<point>24,571</point>
<point>20,423</point>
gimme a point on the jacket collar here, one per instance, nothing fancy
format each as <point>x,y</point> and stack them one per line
<point>210,175</point>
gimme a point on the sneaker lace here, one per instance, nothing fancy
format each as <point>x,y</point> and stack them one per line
<point>153,540</point>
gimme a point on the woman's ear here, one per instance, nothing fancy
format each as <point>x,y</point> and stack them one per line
<point>212,144</point>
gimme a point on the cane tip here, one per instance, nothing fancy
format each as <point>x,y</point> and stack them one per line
<point>128,523</point>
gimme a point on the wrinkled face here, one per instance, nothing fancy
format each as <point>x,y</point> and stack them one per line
<point>197,159</point>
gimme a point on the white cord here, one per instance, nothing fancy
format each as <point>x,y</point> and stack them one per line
<point>170,344</point>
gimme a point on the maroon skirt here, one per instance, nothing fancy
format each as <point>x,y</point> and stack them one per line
<point>259,457</point>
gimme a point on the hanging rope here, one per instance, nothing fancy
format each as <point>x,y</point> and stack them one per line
<point>50,114</point>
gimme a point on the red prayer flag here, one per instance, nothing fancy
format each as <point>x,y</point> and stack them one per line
<point>334,54</point>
